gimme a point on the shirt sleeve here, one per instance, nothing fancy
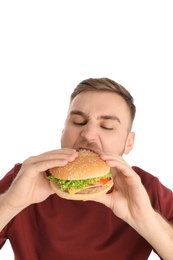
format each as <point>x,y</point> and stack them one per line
<point>5,183</point>
<point>161,197</point>
<point>165,201</point>
<point>162,201</point>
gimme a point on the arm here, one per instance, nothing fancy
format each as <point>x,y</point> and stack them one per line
<point>31,184</point>
<point>130,202</point>
<point>159,233</point>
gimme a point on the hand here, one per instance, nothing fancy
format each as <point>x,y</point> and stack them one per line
<point>129,199</point>
<point>31,184</point>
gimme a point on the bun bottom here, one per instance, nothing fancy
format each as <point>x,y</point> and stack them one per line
<point>86,194</point>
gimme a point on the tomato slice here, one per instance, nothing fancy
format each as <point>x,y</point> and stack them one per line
<point>102,182</point>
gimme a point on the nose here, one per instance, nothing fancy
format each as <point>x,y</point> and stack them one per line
<point>89,132</point>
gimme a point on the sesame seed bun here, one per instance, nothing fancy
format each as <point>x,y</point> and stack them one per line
<point>86,165</point>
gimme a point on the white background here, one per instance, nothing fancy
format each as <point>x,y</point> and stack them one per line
<point>48,47</point>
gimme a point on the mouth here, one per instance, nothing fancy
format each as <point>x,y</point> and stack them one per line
<point>87,147</point>
<point>85,150</point>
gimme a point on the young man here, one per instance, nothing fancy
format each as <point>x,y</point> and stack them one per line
<point>128,223</point>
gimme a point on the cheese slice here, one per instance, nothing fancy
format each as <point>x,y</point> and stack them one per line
<point>73,191</point>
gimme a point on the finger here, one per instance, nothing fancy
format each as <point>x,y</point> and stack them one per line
<point>117,162</point>
<point>54,154</point>
<point>57,155</point>
<point>43,162</point>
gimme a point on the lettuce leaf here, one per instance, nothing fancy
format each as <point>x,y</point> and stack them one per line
<point>77,184</point>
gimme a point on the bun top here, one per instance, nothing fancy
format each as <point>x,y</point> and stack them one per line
<point>87,165</point>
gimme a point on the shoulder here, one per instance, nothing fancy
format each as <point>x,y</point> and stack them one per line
<point>145,176</point>
<point>150,181</point>
<point>161,197</point>
<point>6,181</point>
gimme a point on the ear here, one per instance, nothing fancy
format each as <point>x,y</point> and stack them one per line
<point>129,142</point>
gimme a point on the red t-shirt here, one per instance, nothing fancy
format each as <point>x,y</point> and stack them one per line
<point>76,230</point>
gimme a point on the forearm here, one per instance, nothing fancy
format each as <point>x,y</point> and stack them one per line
<point>6,213</point>
<point>159,233</point>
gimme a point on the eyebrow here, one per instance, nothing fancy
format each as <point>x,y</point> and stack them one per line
<point>105,117</point>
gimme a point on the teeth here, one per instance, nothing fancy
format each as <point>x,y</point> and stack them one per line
<point>84,150</point>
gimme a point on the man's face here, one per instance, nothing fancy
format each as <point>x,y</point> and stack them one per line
<point>98,121</point>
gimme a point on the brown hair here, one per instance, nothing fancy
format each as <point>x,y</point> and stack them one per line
<point>106,84</point>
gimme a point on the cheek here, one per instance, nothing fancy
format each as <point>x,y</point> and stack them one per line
<point>65,138</point>
<point>114,144</point>
<point>68,138</point>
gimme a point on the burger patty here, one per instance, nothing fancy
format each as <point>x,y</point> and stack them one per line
<point>92,190</point>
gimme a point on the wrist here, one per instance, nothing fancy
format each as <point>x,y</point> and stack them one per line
<point>158,232</point>
<point>7,211</point>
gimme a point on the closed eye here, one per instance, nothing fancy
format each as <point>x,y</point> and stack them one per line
<point>79,123</point>
<point>107,128</point>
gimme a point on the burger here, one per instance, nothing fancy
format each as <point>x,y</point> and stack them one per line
<point>87,177</point>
